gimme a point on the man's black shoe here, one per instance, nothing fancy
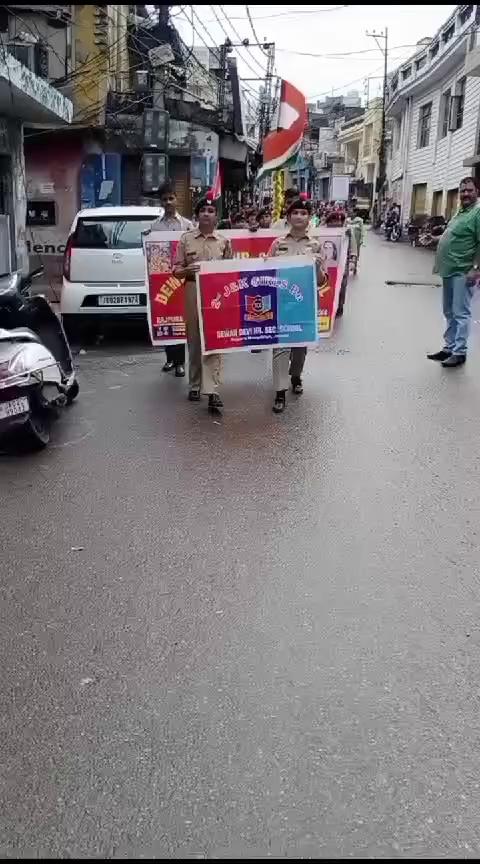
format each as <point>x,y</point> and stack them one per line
<point>215,404</point>
<point>180,371</point>
<point>454,360</point>
<point>440,355</point>
<point>280,402</point>
<point>297,386</point>
<point>168,366</point>
<point>194,395</point>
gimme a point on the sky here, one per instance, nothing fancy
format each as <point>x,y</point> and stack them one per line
<point>327,29</point>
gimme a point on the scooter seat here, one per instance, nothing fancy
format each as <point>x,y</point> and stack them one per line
<point>18,334</point>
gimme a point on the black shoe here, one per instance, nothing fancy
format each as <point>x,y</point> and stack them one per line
<point>215,404</point>
<point>280,402</point>
<point>297,386</point>
<point>168,366</point>
<point>180,371</point>
<point>194,395</point>
<point>440,355</point>
<point>454,360</point>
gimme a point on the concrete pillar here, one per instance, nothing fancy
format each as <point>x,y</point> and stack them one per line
<point>19,195</point>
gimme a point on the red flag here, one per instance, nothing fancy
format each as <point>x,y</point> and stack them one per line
<point>217,183</point>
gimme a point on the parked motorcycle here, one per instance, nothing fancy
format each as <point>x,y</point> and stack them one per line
<point>393,228</point>
<point>426,231</point>
<point>37,377</point>
<point>430,233</point>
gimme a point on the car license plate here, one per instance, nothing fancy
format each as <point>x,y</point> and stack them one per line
<point>11,409</point>
<point>119,300</point>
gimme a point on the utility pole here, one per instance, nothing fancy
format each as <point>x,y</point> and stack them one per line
<point>381,149</point>
<point>267,95</point>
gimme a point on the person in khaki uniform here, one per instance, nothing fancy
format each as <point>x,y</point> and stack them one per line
<point>201,244</point>
<point>290,361</point>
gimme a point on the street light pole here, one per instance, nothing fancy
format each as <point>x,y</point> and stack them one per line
<point>381,150</point>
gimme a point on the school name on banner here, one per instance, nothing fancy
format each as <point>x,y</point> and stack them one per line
<point>257,303</point>
<point>166,305</point>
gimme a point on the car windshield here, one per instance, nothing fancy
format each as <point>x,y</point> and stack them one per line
<point>114,232</point>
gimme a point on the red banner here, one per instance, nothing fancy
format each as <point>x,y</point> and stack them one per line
<point>165,292</point>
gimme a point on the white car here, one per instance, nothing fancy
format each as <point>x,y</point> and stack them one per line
<point>104,267</point>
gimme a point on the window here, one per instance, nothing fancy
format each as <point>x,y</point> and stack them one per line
<point>396,135</point>
<point>367,140</point>
<point>466,13</point>
<point>111,233</point>
<point>434,50</point>
<point>24,53</point>
<point>419,199</point>
<point>437,202</point>
<point>452,198</point>
<point>444,112</point>
<point>406,73</point>
<point>424,122</point>
<point>420,63</point>
<point>457,105</point>
<point>448,33</point>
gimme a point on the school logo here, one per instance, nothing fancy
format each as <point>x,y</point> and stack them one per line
<point>258,308</point>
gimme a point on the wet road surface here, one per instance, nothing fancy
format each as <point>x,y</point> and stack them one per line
<point>254,637</point>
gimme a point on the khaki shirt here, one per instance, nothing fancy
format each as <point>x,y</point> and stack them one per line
<point>194,247</point>
<point>304,245</point>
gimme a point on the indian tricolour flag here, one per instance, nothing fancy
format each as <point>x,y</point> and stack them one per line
<point>282,143</point>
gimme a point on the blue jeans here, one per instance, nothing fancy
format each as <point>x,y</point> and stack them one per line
<point>457,300</point>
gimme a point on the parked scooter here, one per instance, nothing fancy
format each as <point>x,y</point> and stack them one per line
<point>37,377</point>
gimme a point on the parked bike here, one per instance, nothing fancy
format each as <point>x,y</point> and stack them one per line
<point>37,377</point>
<point>426,231</point>
<point>393,228</point>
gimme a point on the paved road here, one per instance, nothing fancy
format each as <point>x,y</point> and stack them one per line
<point>257,637</point>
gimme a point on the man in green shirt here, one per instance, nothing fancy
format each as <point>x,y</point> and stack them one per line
<point>457,262</point>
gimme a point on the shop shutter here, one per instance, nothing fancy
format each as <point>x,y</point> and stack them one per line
<point>131,179</point>
<point>179,170</point>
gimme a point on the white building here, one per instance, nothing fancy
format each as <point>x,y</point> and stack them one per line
<point>433,104</point>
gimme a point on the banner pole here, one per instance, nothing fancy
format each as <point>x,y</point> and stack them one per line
<point>278,190</point>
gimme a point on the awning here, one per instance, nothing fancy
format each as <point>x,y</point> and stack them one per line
<point>29,98</point>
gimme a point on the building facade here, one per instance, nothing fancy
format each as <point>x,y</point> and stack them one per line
<point>359,142</point>
<point>25,98</point>
<point>432,111</point>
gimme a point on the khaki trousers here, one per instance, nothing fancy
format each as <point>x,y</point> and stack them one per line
<point>204,373</point>
<point>287,362</point>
